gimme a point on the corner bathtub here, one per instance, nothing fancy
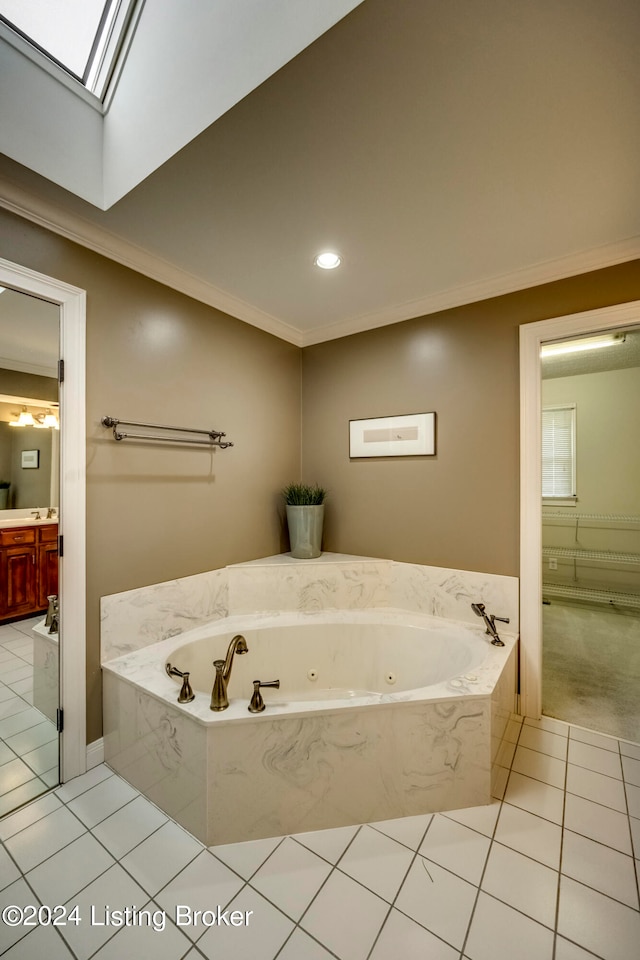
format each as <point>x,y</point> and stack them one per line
<point>380,714</point>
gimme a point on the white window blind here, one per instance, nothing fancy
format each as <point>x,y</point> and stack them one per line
<point>559,451</point>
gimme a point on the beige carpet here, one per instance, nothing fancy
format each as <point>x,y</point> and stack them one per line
<point>591,668</point>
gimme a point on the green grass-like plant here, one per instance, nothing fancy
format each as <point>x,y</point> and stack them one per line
<point>303,494</point>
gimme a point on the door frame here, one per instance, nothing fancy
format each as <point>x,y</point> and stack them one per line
<point>532,336</point>
<point>72,522</point>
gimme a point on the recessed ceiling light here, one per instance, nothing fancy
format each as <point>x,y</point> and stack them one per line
<point>328,260</point>
<point>577,346</point>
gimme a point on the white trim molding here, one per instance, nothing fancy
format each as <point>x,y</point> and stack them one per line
<point>72,303</point>
<point>532,336</point>
<point>95,753</point>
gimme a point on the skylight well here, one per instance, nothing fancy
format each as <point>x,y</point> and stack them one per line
<point>81,36</point>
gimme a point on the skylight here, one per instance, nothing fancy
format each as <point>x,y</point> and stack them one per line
<point>81,36</point>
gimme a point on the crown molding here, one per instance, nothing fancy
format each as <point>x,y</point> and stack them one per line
<point>545,272</point>
<point>75,228</point>
<point>22,366</point>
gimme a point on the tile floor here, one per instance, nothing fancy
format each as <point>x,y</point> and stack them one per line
<point>28,740</point>
<point>545,872</point>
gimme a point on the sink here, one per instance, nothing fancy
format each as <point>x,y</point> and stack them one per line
<point>25,522</point>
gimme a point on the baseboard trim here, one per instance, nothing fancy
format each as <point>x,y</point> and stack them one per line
<point>95,753</point>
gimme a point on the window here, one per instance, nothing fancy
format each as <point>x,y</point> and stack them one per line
<point>81,36</point>
<point>559,453</point>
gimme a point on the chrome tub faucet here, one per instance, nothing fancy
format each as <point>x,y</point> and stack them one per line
<point>490,622</point>
<point>219,699</point>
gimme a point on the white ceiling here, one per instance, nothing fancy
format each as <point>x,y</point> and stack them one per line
<point>450,152</point>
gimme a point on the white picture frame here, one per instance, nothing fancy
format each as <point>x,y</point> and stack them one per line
<point>30,459</point>
<point>409,435</point>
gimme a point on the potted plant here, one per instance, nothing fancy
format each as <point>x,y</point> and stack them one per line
<point>4,494</point>
<point>305,516</point>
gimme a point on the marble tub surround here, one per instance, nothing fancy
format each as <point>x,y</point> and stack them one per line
<point>46,672</point>
<point>135,619</point>
<point>450,593</point>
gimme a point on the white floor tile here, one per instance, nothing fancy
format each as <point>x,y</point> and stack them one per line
<point>17,673</point>
<point>499,779</point>
<point>129,826</point>
<point>26,717</point>
<point>630,749</point>
<point>246,858</point>
<point>329,844</point>
<point>345,917</point>
<point>28,791</point>
<point>43,838</point>
<point>24,689</point>
<point>158,859</point>
<point>544,742</point>
<point>73,788</point>
<point>68,871</point>
<point>402,938</point>
<point>634,824</point>
<point>600,867</point>
<point>513,729</point>
<point>570,951</point>
<point>300,946</point>
<point>456,848</point>
<point>437,900</point>
<point>12,705</point>
<point>595,758</point>
<point>16,894</point>
<point>631,770</point>
<point>262,936</point>
<point>9,873</point>
<point>378,862</point>
<point>522,883</point>
<point>506,752</point>
<point>536,797</point>
<point>530,835</point>
<point>600,823</point>
<point>30,814</point>
<point>291,877</point>
<point>6,693</point>
<point>204,884</point>
<point>597,787</point>
<point>500,933</point>
<point>113,889</point>
<point>51,777</point>
<point>590,919</point>
<point>32,738</point>
<point>143,940</point>
<point>5,753</point>
<point>483,819</point>
<point>595,739</point>
<point>539,766</point>
<point>548,723</point>
<point>13,774</point>
<point>406,830</point>
<point>41,942</point>
<point>101,801</point>
<point>633,800</point>
<point>42,758</point>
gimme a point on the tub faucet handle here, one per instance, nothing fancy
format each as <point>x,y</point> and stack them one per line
<point>186,694</point>
<point>257,703</point>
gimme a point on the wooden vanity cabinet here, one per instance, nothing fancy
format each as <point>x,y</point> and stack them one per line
<point>28,569</point>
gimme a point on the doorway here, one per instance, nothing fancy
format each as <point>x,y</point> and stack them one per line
<point>29,516</point>
<point>68,303</point>
<point>532,337</point>
<point>591,531</point>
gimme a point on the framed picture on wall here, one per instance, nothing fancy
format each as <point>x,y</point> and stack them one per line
<point>30,459</point>
<point>411,435</point>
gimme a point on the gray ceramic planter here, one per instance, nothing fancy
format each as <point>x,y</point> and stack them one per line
<point>305,530</point>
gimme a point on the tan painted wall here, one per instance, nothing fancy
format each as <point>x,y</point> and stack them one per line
<point>607,437</point>
<point>161,512</point>
<point>460,508</point>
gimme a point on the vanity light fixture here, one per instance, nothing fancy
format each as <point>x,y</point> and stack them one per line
<point>577,346</point>
<point>24,420</point>
<point>328,260</point>
<point>51,421</point>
